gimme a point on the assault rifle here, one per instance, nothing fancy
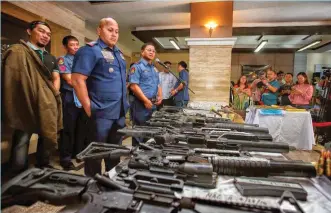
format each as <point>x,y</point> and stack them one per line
<point>189,124</point>
<point>209,141</point>
<point>149,132</point>
<point>102,195</point>
<point>173,160</point>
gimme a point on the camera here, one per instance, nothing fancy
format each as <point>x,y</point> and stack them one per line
<point>260,84</point>
<point>327,71</point>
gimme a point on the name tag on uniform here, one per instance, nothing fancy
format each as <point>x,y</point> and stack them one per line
<point>108,56</point>
<point>122,56</point>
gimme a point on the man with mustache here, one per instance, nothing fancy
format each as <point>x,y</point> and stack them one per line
<point>99,79</point>
<point>31,101</point>
<point>145,85</point>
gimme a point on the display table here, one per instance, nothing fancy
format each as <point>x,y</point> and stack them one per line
<point>294,128</point>
<point>318,189</point>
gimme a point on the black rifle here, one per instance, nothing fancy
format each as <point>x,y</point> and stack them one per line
<point>224,125</point>
<point>102,195</point>
<point>209,141</point>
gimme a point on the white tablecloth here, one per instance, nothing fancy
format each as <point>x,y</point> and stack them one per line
<point>294,128</point>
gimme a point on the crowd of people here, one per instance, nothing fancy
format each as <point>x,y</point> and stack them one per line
<point>82,96</point>
<point>271,88</point>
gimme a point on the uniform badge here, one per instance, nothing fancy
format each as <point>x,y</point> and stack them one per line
<point>122,56</point>
<point>132,70</point>
<point>111,69</point>
<point>60,61</point>
<point>108,56</point>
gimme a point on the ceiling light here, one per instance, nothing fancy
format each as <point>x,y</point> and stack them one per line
<point>309,45</point>
<point>260,46</point>
<point>159,42</point>
<point>174,44</point>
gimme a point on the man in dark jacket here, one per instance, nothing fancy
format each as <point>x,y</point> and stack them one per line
<point>31,100</point>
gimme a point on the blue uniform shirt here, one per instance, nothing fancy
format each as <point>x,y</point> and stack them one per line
<point>65,65</point>
<point>270,98</point>
<point>146,76</point>
<point>183,95</point>
<point>105,68</point>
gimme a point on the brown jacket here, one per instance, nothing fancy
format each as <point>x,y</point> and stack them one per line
<point>30,102</point>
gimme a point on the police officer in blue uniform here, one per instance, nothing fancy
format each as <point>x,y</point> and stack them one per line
<point>180,91</point>
<point>145,85</point>
<point>99,82</point>
<point>70,111</point>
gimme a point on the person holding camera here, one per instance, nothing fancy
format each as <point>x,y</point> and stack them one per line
<point>257,87</point>
<point>270,95</point>
<point>302,92</point>
<point>285,90</point>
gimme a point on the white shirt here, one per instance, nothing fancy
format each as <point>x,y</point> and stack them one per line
<point>167,82</point>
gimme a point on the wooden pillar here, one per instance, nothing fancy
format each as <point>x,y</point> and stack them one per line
<point>210,52</point>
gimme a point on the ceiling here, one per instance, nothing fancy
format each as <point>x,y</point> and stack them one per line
<point>172,18</point>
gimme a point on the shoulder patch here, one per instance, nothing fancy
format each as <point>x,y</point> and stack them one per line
<point>132,70</point>
<point>60,61</point>
<point>91,44</point>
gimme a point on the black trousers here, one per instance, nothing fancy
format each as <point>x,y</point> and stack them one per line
<point>105,131</point>
<point>70,131</point>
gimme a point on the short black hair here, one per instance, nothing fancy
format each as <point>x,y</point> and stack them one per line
<point>183,64</point>
<point>68,38</point>
<point>167,62</point>
<point>34,24</point>
<point>289,74</point>
<point>147,44</point>
<point>280,72</point>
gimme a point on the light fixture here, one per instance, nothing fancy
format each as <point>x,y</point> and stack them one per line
<point>260,46</point>
<point>211,26</point>
<point>309,45</point>
<point>158,41</point>
<point>172,41</point>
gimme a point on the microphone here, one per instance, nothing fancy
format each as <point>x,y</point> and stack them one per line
<point>162,64</point>
<point>165,66</point>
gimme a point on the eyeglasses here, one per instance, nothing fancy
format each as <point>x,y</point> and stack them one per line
<point>150,50</point>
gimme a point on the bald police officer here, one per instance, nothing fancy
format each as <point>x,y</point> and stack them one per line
<point>99,81</point>
<point>145,85</point>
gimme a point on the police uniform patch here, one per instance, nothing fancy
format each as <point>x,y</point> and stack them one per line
<point>108,56</point>
<point>132,70</point>
<point>61,61</point>
<point>111,69</point>
<point>122,56</point>
<point>62,68</point>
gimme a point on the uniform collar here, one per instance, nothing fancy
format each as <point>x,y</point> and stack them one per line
<point>32,46</point>
<point>145,62</point>
<point>103,45</point>
<point>182,70</point>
